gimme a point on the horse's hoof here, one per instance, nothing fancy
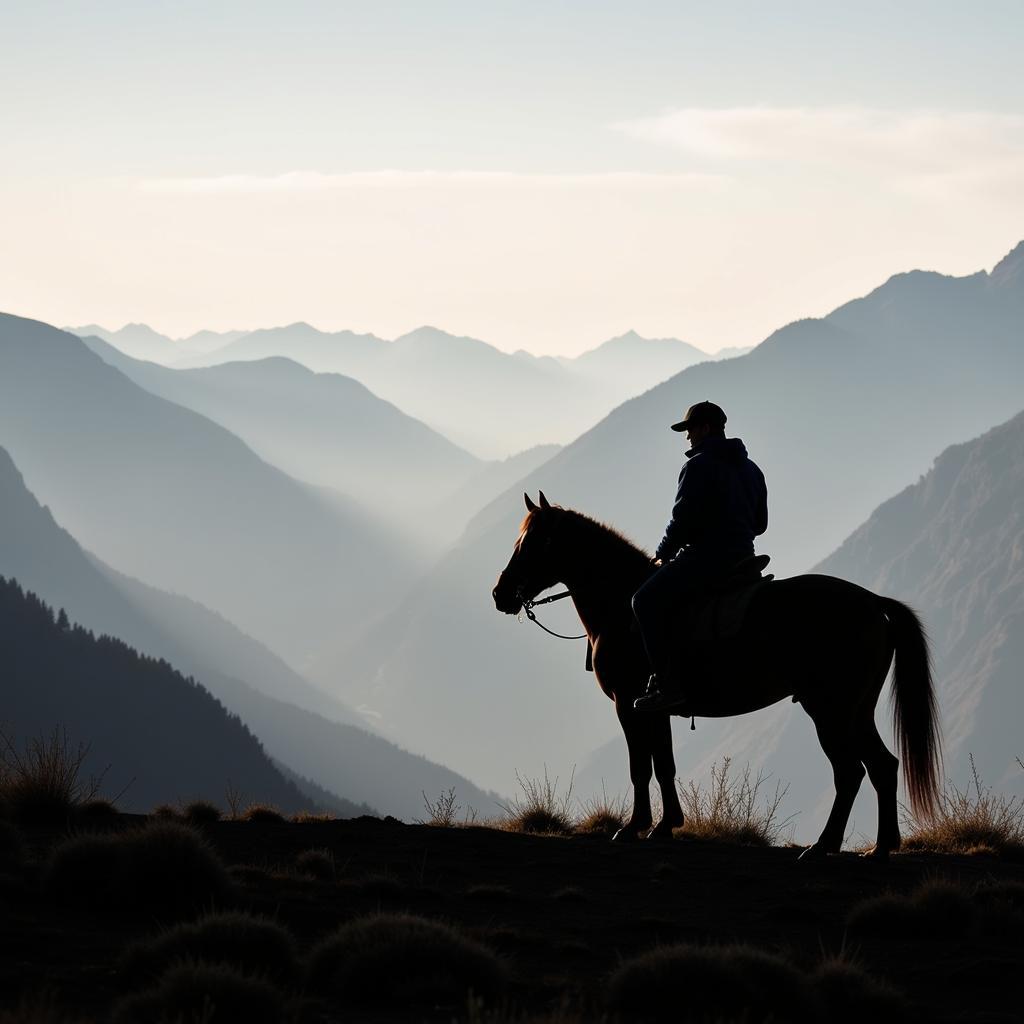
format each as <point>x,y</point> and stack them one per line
<point>660,834</point>
<point>877,853</point>
<point>815,854</point>
<point>627,834</point>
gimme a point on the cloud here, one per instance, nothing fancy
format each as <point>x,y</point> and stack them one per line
<point>312,181</point>
<point>949,150</point>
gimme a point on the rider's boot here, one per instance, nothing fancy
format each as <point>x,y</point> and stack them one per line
<point>660,695</point>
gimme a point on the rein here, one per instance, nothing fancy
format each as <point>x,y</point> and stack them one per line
<point>528,607</point>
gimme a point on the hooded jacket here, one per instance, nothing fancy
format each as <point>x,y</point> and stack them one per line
<point>721,502</point>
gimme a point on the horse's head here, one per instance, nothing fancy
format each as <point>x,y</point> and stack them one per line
<point>531,568</point>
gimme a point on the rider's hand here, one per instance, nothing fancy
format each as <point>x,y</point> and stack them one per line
<point>656,562</point>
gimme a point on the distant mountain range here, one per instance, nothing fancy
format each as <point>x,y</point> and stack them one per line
<point>311,733</point>
<point>485,400</point>
<point>169,497</point>
<point>323,428</point>
<point>840,413</point>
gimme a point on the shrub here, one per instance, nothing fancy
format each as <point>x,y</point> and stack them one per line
<point>250,945</point>
<point>43,782</point>
<point>201,812</point>
<point>540,809</point>
<point>850,995</point>
<point>262,813</point>
<point>316,864</point>
<point>399,959</point>
<point>163,867</point>
<point>12,846</point>
<point>96,811</point>
<point>971,820</point>
<point>168,812</point>
<point>442,812</point>
<point>937,909</point>
<point>312,818</point>
<point>203,994</point>
<point>707,983</point>
<point>734,810</point>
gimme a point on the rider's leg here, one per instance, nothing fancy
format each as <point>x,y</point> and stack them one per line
<point>657,601</point>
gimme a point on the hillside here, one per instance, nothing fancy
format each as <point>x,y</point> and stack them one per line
<point>829,455</point>
<point>952,545</point>
<point>308,731</point>
<point>322,428</point>
<point>165,495</point>
<point>564,915</point>
<point>163,736</point>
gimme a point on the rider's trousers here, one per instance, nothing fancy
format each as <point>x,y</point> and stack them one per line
<point>656,604</point>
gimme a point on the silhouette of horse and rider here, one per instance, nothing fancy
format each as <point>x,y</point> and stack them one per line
<point>748,642</point>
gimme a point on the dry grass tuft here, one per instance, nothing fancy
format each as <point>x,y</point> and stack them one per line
<point>43,781</point>
<point>849,995</point>
<point>973,821</point>
<point>262,813</point>
<point>166,812</point>
<point>399,959</point>
<point>938,909</point>
<point>318,864</point>
<point>201,812</point>
<point>164,868</point>
<point>602,816</point>
<point>94,812</point>
<point>446,811</point>
<point>540,810</point>
<point>734,810</point>
<point>254,946</point>
<point>196,993</point>
<point>312,818</point>
<point>710,984</point>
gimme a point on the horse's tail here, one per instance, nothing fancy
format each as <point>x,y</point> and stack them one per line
<point>915,718</point>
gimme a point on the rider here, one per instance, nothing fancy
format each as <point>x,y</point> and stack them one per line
<point>721,506</point>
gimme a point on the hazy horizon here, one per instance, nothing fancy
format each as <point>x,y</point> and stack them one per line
<point>543,179</point>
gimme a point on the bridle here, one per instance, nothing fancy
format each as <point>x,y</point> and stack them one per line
<point>529,605</point>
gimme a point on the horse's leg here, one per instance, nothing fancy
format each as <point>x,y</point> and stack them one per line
<point>665,773</point>
<point>836,738</point>
<point>883,770</point>
<point>638,742</point>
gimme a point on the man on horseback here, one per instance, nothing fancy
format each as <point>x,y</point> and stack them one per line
<point>721,506</point>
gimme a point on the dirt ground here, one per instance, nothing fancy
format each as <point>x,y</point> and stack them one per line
<point>563,911</point>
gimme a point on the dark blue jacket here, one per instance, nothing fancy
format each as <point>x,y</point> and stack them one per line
<point>721,503</point>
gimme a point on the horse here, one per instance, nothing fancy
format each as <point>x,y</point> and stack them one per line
<point>825,642</point>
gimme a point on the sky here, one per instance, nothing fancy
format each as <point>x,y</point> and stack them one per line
<point>539,175</point>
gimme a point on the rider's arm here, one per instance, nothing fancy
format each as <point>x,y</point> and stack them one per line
<point>685,510</point>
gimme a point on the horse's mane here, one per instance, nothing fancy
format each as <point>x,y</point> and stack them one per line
<point>602,541</point>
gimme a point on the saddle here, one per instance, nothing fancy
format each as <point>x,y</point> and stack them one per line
<point>717,612</point>
<point>722,604</point>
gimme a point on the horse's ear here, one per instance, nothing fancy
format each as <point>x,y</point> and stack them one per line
<point>543,501</point>
<point>530,507</point>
